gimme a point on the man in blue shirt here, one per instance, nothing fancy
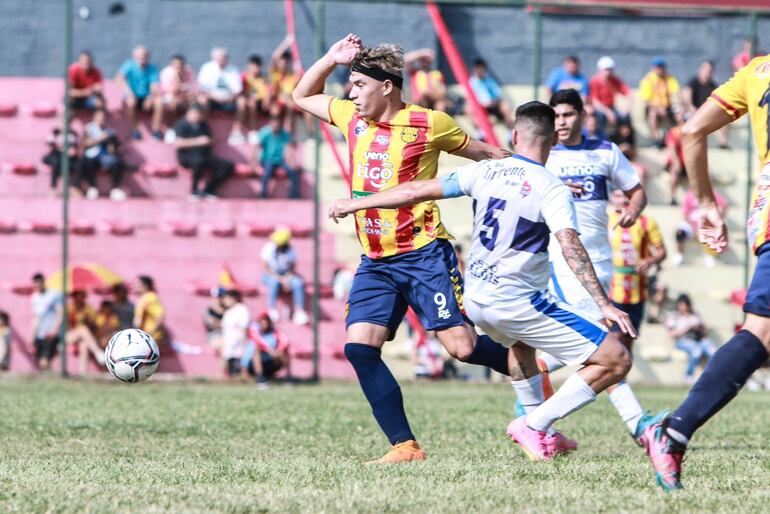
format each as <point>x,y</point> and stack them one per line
<point>567,76</point>
<point>489,94</point>
<point>273,143</point>
<point>139,80</point>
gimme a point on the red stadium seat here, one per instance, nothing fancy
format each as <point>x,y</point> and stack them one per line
<point>160,170</point>
<point>8,227</point>
<point>8,110</point>
<point>324,290</point>
<point>82,228</point>
<point>22,288</point>
<point>223,229</point>
<point>19,168</point>
<point>260,230</point>
<point>182,228</point>
<point>38,227</point>
<point>244,170</point>
<point>44,110</point>
<point>301,231</point>
<point>117,228</point>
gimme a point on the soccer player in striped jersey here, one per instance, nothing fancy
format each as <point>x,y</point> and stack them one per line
<point>408,259</point>
<point>748,91</point>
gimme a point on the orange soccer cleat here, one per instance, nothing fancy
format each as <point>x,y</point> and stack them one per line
<point>407,451</point>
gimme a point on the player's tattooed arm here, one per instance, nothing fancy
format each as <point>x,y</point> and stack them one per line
<point>577,258</point>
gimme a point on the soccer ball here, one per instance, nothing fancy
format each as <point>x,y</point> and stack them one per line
<point>132,355</point>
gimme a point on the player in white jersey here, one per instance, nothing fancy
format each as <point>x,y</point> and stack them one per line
<point>592,168</point>
<point>517,205</point>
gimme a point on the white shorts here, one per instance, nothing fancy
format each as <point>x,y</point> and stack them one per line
<point>567,288</point>
<point>540,321</point>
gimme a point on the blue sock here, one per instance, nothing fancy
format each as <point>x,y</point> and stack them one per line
<point>381,390</point>
<point>490,354</point>
<point>720,382</point>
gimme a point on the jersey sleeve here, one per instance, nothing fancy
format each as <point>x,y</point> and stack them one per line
<point>732,95</point>
<point>559,209</point>
<point>341,112</point>
<point>445,134</point>
<point>466,176</point>
<point>653,231</point>
<point>622,173</point>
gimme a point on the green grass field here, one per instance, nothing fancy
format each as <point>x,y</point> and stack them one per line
<point>109,447</point>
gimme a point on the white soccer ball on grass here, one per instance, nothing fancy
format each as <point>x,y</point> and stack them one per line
<point>132,355</point>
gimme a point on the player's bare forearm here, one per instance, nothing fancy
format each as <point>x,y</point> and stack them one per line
<point>707,119</point>
<point>478,151</point>
<point>637,201</point>
<point>409,193</point>
<point>578,261</point>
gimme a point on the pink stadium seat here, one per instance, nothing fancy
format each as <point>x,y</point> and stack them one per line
<point>8,110</point>
<point>301,231</point>
<point>82,228</point>
<point>160,170</point>
<point>44,110</point>
<point>244,170</point>
<point>38,227</point>
<point>222,229</point>
<point>182,228</point>
<point>117,228</point>
<point>19,168</point>
<point>8,227</point>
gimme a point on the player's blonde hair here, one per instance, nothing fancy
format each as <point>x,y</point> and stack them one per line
<point>386,56</point>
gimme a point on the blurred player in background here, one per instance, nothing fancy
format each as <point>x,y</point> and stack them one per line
<point>408,259</point>
<point>748,91</point>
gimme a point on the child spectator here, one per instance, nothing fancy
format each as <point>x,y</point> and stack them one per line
<point>428,85</point>
<point>106,323</point>
<point>254,101</point>
<point>193,149</point>
<point>47,318</point>
<point>6,337</point>
<point>102,150</point>
<point>489,94</point>
<point>149,313</point>
<point>690,335</point>
<point>122,306</point>
<point>274,150</point>
<point>688,228</point>
<point>219,84</point>
<point>235,323</point>
<point>177,85</point>
<point>266,352</point>
<point>603,89</point>
<point>659,91</point>
<point>53,158</point>
<point>212,318</point>
<point>280,261</point>
<point>139,80</point>
<point>81,330</point>
<point>283,79</point>
<point>567,76</point>
<point>85,83</point>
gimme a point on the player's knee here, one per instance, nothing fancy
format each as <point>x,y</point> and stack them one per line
<point>621,365</point>
<point>461,350</point>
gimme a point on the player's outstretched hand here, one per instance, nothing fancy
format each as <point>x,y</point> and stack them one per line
<point>339,209</point>
<point>627,217</point>
<point>576,188</point>
<point>623,320</point>
<point>712,229</point>
<point>344,50</point>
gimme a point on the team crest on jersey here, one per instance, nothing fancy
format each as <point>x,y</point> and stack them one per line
<point>360,127</point>
<point>763,70</point>
<point>593,156</point>
<point>409,134</point>
<point>526,188</point>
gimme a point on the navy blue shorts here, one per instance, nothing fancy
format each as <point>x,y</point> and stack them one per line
<point>426,280</point>
<point>634,310</point>
<point>758,295</point>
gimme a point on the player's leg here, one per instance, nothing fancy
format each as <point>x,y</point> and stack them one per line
<point>375,309</point>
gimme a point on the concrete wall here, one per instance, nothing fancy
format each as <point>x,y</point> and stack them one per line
<point>31,35</point>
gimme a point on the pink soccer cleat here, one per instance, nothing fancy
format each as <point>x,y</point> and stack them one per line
<point>531,441</point>
<point>665,456</point>
<point>559,444</point>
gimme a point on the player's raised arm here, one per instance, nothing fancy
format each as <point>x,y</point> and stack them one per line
<point>637,201</point>
<point>308,94</point>
<point>408,193</point>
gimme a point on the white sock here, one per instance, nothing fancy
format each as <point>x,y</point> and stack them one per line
<point>551,363</point>
<point>571,396</point>
<point>529,392</point>
<point>624,400</point>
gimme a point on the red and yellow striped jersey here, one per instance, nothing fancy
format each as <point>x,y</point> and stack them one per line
<point>748,91</point>
<point>629,246</point>
<point>384,154</point>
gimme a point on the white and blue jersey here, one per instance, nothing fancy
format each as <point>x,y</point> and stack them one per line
<point>517,205</point>
<point>598,166</point>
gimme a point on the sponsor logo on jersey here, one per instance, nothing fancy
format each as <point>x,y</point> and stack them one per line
<point>374,226</point>
<point>480,269</point>
<point>361,127</point>
<point>526,188</point>
<point>376,175</point>
<point>409,134</point>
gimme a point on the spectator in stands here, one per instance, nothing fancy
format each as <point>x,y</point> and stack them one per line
<point>428,85</point>
<point>254,101</point>
<point>81,330</point>
<point>101,150</point>
<point>46,320</point>
<point>177,85</point>
<point>489,93</point>
<point>55,143</point>
<point>266,351</point>
<point>212,318</point>
<point>280,262</point>
<point>85,83</point>
<point>625,138</point>
<point>122,306</point>
<point>690,335</point>
<point>675,156</point>
<point>567,76</point>
<point>139,80</point>
<point>6,337</point>
<point>603,90</point>
<point>193,149</point>
<point>698,89</point>
<point>149,314</point>
<point>284,76</point>
<point>458,248</point>
<point>591,126</point>
<point>219,84</point>
<point>235,324</point>
<point>659,91</point>
<point>743,57</point>
<point>688,228</point>
<point>274,150</point>
<point>106,323</point>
